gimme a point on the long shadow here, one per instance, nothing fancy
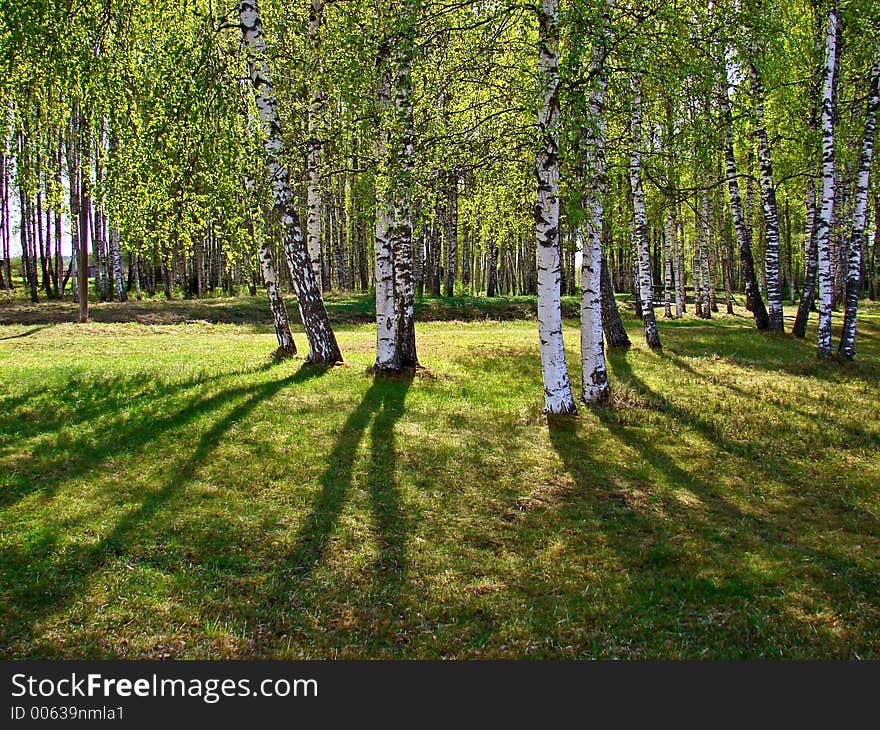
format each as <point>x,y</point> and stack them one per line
<point>384,399</point>
<point>666,551</point>
<point>792,472</point>
<point>856,432</point>
<point>44,469</point>
<point>26,334</point>
<point>43,580</point>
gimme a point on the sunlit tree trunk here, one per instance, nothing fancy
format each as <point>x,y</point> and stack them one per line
<point>452,235</point>
<point>557,388</point>
<point>743,234</point>
<point>314,201</point>
<point>703,222</point>
<point>640,232</point>
<point>675,252</point>
<point>826,210</point>
<point>854,275</point>
<point>386,320</point>
<point>322,341</point>
<point>771,212</point>
<point>667,267</point>
<point>402,184</point>
<point>591,154</point>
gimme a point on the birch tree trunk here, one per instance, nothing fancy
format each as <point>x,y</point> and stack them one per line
<point>402,189</point>
<point>557,388</point>
<point>612,324</point>
<point>286,345</point>
<point>808,294</point>
<point>492,270</point>
<point>705,310</point>
<point>675,244</point>
<point>322,340</point>
<point>383,277</point>
<point>743,234</point>
<point>667,268</point>
<point>640,228</point>
<point>113,240</point>
<point>847,346</point>
<point>826,210</point>
<point>452,234</point>
<point>771,212</point>
<point>314,201</point>
<point>593,178</point>
<point>711,254</point>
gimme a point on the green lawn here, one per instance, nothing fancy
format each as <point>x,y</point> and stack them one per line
<point>169,491</point>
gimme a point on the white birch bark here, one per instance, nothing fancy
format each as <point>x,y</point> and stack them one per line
<point>557,388</point>
<point>383,277</point>
<point>704,235</point>
<point>826,209</point>
<point>668,235</point>
<point>323,348</point>
<point>640,220</point>
<point>402,189</point>
<point>743,231</point>
<point>854,273</point>
<point>594,370</point>
<point>314,201</point>
<point>771,213</point>
<point>283,334</point>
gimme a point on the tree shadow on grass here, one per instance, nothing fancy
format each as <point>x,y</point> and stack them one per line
<point>26,333</point>
<point>384,404</point>
<point>761,452</point>
<point>684,564</point>
<point>44,578</point>
<point>743,345</point>
<point>46,466</point>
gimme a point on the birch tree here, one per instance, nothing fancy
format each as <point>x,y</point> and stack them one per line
<point>557,388</point>
<point>826,209</point>
<point>322,340</point>
<point>771,213</point>
<point>591,165</point>
<point>847,346</point>
<point>640,219</point>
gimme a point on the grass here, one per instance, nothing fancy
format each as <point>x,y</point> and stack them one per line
<point>169,491</point>
<point>342,308</point>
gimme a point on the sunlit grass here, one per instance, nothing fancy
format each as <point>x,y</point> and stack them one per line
<point>168,490</point>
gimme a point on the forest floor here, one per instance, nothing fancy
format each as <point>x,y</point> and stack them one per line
<point>167,490</point>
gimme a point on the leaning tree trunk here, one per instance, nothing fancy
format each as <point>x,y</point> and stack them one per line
<point>823,219</point>
<point>854,275</point>
<point>557,388</point>
<point>612,324</point>
<point>286,345</point>
<point>771,213</point>
<point>322,340</point>
<point>743,235</point>
<point>594,370</point>
<point>640,228</point>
